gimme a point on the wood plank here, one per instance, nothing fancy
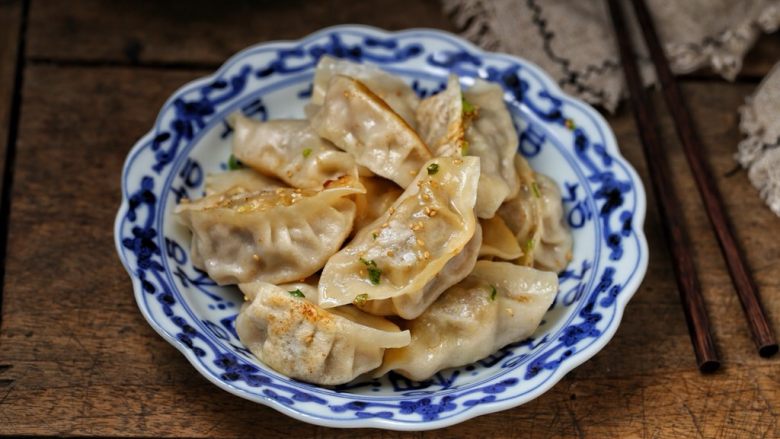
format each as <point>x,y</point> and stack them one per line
<point>10,24</point>
<point>84,362</point>
<point>127,31</point>
<point>200,31</point>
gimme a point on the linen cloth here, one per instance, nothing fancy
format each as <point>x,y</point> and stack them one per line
<point>573,41</point>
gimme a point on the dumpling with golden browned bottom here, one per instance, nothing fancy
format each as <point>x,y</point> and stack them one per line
<point>295,337</point>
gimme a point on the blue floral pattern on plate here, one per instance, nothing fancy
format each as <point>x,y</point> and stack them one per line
<point>603,198</point>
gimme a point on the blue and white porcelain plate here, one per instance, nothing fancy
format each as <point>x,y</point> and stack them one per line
<point>561,136</point>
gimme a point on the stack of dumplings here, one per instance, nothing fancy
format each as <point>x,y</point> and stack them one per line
<point>382,233</point>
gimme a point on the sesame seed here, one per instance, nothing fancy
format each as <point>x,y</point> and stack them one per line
<point>384,225</point>
<point>420,242</point>
<point>427,255</point>
<point>391,210</point>
<point>390,253</point>
<point>256,257</point>
<point>432,213</point>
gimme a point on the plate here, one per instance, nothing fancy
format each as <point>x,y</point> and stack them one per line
<point>561,136</point>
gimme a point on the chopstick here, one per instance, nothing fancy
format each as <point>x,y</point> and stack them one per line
<point>743,282</point>
<point>667,201</point>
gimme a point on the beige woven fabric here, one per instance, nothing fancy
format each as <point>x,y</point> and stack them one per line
<point>573,41</point>
<point>760,151</point>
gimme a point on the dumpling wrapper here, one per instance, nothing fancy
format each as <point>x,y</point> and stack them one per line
<point>498,241</point>
<point>477,123</point>
<point>380,195</point>
<point>523,213</point>
<point>442,121</point>
<point>411,305</point>
<point>299,339</point>
<point>554,251</point>
<point>243,180</point>
<point>404,249</point>
<point>362,124</point>
<point>492,138</point>
<point>276,235</point>
<point>468,322</point>
<point>290,151</point>
<point>390,88</point>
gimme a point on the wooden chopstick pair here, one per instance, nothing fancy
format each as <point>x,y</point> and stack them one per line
<point>668,203</point>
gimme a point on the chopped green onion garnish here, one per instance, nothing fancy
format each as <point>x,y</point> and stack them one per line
<point>306,152</point>
<point>468,107</point>
<point>464,147</point>
<point>433,168</point>
<point>374,235</point>
<point>233,163</point>
<point>374,273</point>
<point>535,187</point>
<point>493,293</point>
<point>360,299</point>
<point>529,245</point>
<point>296,293</point>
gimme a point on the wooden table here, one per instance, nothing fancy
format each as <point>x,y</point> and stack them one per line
<point>81,80</point>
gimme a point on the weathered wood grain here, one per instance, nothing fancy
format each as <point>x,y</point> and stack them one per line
<point>82,361</point>
<point>10,24</point>
<point>200,31</point>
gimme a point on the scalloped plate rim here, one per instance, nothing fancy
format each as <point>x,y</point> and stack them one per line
<point>578,358</point>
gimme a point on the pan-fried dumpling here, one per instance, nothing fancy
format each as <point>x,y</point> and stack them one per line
<point>554,250</point>
<point>361,123</point>
<point>443,121</point>
<point>391,89</point>
<point>276,235</point>
<point>404,249</point>
<point>290,151</point>
<point>498,241</point>
<point>523,213</point>
<point>492,138</point>
<point>286,331</point>
<point>497,304</point>
<point>475,122</point>
<point>409,306</point>
<point>380,195</point>
<point>244,180</point>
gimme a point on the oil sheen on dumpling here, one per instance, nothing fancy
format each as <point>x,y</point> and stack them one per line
<point>362,124</point>
<point>477,123</point>
<point>391,89</point>
<point>497,304</point>
<point>286,331</point>
<point>498,241</point>
<point>443,121</point>
<point>290,151</point>
<point>410,306</point>
<point>555,244</point>
<point>380,195</point>
<point>277,235</point>
<point>404,249</point>
<point>523,213</point>
<point>244,180</point>
<point>492,138</point>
